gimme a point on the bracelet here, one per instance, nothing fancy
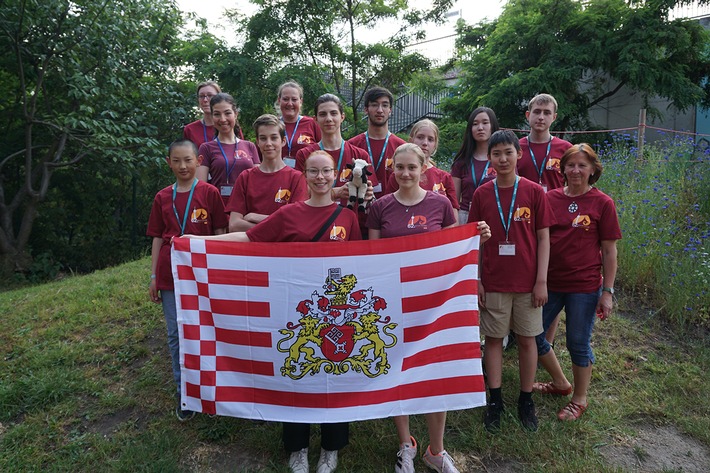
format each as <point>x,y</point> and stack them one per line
<point>610,290</point>
<point>153,276</point>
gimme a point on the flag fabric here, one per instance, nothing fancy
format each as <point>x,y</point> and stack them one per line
<point>330,332</point>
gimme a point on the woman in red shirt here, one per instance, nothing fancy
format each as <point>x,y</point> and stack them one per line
<point>581,273</point>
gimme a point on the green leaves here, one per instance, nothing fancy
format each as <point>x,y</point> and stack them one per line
<point>579,52</point>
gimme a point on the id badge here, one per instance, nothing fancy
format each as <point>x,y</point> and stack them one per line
<point>290,162</point>
<point>544,188</point>
<point>506,248</point>
<point>377,188</point>
<point>226,190</point>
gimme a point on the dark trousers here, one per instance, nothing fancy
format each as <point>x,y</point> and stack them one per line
<point>332,436</point>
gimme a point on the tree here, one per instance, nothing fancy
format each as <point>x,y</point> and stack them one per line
<point>582,53</point>
<point>331,37</point>
<point>81,79</point>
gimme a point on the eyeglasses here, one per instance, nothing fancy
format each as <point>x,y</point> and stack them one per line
<point>204,96</point>
<point>313,172</point>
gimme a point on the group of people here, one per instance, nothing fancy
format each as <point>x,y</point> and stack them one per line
<point>548,237</point>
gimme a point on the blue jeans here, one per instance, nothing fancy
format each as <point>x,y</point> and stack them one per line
<point>170,313</point>
<point>580,310</point>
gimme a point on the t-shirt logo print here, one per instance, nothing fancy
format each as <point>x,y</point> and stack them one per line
<point>338,320</point>
<point>439,188</point>
<point>338,233</point>
<point>553,164</point>
<point>345,175</point>
<point>417,221</point>
<point>305,139</point>
<point>282,196</point>
<point>582,221</point>
<point>199,216</point>
<point>522,214</point>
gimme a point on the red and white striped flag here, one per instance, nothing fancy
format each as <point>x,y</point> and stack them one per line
<point>330,332</point>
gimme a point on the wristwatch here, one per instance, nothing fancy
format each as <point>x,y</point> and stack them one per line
<point>610,290</point>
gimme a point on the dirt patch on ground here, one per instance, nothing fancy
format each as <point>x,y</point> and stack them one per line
<point>658,449</point>
<point>217,459</point>
<point>109,424</point>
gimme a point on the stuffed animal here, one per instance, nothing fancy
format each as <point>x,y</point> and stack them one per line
<point>357,185</point>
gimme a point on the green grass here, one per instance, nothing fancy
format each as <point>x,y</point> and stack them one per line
<point>85,385</point>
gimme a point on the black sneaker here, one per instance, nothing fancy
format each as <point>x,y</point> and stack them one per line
<point>526,413</point>
<point>184,415</point>
<point>492,418</point>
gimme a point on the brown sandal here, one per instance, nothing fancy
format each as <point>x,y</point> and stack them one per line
<point>549,388</point>
<point>572,411</point>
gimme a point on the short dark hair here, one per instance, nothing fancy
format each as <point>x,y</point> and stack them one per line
<point>503,137</point>
<point>375,93</point>
<point>182,142</point>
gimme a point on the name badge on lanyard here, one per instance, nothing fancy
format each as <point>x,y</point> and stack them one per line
<point>507,247</point>
<point>543,165</point>
<point>289,160</point>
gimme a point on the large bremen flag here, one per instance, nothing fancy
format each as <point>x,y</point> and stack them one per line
<point>330,332</point>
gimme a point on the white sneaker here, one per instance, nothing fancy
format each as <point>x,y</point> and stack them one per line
<point>328,461</point>
<point>298,462</point>
<point>441,463</point>
<point>405,457</point>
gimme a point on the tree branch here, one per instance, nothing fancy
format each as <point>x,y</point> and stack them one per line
<point>607,95</point>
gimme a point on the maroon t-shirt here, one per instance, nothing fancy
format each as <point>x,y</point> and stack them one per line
<point>462,170</point>
<point>301,222</point>
<point>383,167</point>
<point>264,193</point>
<point>206,215</point>
<point>198,132</point>
<point>241,156</point>
<point>394,219</point>
<point>435,180</point>
<point>531,213</point>
<point>551,176</point>
<point>307,133</point>
<point>582,222</point>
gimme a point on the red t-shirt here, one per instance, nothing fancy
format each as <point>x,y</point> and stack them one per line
<point>393,219</point>
<point>462,170</point>
<point>307,133</point>
<point>435,180</point>
<point>206,216</point>
<point>246,157</point>
<point>582,222</point>
<point>551,176</point>
<point>301,222</point>
<point>383,167</point>
<point>264,193</point>
<point>531,213</point>
<point>198,132</point>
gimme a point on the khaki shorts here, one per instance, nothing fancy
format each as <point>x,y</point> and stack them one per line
<point>506,311</point>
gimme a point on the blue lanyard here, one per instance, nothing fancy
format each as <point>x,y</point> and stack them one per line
<point>226,160</point>
<point>382,154</point>
<point>204,129</point>
<point>289,142</point>
<point>340,159</point>
<point>544,161</point>
<point>506,225</point>
<point>187,207</point>
<point>473,173</point>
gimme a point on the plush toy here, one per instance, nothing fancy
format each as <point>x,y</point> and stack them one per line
<point>357,185</point>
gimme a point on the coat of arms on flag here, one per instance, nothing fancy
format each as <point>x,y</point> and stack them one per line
<point>330,332</point>
<point>335,322</point>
